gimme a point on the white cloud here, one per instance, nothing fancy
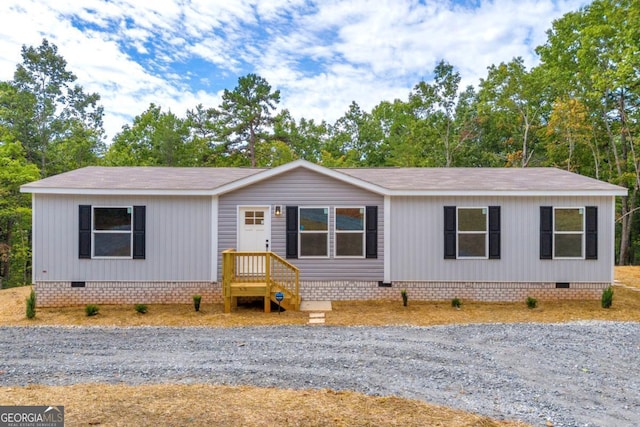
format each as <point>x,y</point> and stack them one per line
<point>128,50</point>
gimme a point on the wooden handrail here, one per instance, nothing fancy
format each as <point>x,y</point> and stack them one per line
<point>262,267</point>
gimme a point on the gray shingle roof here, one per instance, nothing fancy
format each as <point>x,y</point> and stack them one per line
<point>392,180</point>
<point>478,179</point>
<point>144,178</point>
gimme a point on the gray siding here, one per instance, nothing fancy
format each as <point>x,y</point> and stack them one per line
<point>178,240</point>
<point>302,187</point>
<point>417,247</point>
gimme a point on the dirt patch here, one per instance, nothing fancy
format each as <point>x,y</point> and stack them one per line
<point>626,307</point>
<point>205,405</point>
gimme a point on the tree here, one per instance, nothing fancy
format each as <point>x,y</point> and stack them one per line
<point>49,116</point>
<point>592,56</point>
<point>15,211</point>
<point>436,104</point>
<point>155,138</point>
<point>245,114</point>
<point>510,102</point>
<point>358,138</point>
<point>304,138</point>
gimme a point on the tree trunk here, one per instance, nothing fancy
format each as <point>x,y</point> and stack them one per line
<point>252,146</point>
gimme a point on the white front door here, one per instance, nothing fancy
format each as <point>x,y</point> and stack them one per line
<point>254,231</point>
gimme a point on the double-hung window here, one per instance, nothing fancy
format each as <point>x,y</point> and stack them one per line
<point>314,232</point>
<point>472,232</point>
<point>568,232</point>
<point>112,229</point>
<point>350,232</point>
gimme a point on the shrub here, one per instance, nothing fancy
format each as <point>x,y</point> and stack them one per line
<point>607,298</point>
<point>91,309</point>
<point>31,305</point>
<point>532,302</point>
<point>196,302</point>
<point>456,303</point>
<point>141,308</point>
<point>405,297</point>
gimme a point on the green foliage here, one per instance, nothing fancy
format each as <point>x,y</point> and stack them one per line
<point>532,302</point>
<point>607,298</point>
<point>245,114</point>
<point>91,309</point>
<point>15,212</point>
<point>141,308</point>
<point>155,138</point>
<point>58,124</point>
<point>31,305</point>
<point>196,302</point>
<point>456,303</point>
<point>405,297</point>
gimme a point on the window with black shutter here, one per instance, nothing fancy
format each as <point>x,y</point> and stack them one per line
<point>292,231</point>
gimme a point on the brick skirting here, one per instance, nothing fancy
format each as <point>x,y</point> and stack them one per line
<point>60,294</point>
<point>443,291</point>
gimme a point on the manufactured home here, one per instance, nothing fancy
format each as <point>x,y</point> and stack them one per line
<point>160,235</point>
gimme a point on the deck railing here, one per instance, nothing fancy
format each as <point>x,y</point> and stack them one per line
<point>259,267</point>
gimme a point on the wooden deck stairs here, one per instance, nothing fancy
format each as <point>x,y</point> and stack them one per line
<point>259,274</point>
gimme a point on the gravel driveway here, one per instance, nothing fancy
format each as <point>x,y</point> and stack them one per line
<point>575,374</point>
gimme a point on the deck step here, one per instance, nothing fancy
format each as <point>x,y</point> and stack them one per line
<point>316,318</point>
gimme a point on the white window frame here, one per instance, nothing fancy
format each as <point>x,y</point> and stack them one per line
<point>582,233</point>
<point>94,232</point>
<point>301,232</point>
<point>485,232</point>
<point>336,231</point>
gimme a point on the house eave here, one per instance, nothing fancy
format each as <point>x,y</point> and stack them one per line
<point>115,192</point>
<point>507,193</point>
<point>392,193</point>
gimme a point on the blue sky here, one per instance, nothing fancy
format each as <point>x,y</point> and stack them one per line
<point>321,55</point>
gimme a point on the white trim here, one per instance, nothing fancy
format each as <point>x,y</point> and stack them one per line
<point>509,193</point>
<point>485,232</point>
<point>612,249</point>
<point>116,192</point>
<point>363,232</point>
<point>373,188</point>
<point>93,233</point>
<point>267,221</point>
<point>583,232</point>
<point>386,232</point>
<point>215,251</point>
<point>301,232</point>
<point>34,267</point>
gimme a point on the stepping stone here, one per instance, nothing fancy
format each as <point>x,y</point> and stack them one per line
<point>316,318</point>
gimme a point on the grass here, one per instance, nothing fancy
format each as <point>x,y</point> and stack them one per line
<point>205,405</point>
<point>199,404</point>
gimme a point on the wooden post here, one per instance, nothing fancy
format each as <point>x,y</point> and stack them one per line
<point>267,279</point>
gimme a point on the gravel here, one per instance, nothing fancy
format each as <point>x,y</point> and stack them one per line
<point>571,374</point>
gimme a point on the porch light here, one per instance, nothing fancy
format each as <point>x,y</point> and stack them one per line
<point>278,210</point>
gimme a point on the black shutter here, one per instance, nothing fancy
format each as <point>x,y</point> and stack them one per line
<point>371,237</point>
<point>139,219</point>
<point>84,228</point>
<point>546,232</point>
<point>494,232</point>
<point>591,237</point>
<point>450,232</point>
<point>292,231</point>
